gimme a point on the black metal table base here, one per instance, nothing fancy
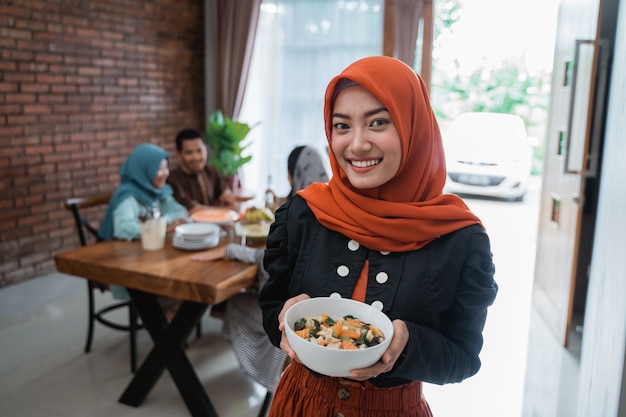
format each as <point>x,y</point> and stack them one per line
<point>168,352</point>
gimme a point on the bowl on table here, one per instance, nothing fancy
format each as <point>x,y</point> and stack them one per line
<point>254,231</point>
<point>196,231</point>
<point>196,236</point>
<point>328,360</point>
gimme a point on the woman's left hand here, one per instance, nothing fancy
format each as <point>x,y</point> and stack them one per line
<point>390,356</point>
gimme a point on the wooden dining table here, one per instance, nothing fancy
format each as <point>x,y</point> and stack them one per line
<point>165,272</point>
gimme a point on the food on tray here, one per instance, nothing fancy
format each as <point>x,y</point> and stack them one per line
<point>258,214</point>
<point>347,332</point>
<point>215,215</point>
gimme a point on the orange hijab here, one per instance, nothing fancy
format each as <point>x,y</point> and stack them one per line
<point>408,211</point>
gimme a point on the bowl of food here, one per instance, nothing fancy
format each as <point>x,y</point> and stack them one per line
<point>332,336</point>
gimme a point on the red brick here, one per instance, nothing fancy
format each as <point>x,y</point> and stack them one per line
<point>77,79</point>
<point>21,98</point>
<point>64,88</point>
<point>9,87</point>
<point>37,108</point>
<point>11,130</point>
<point>16,33</point>
<point>51,98</point>
<point>18,55</point>
<point>50,79</point>
<point>91,71</point>
<point>40,169</point>
<point>14,12</point>
<point>7,65</point>
<point>21,119</point>
<point>53,118</point>
<point>33,45</point>
<point>18,77</point>
<point>32,67</point>
<point>115,36</point>
<point>10,109</point>
<point>87,33</point>
<point>38,150</point>
<point>35,88</point>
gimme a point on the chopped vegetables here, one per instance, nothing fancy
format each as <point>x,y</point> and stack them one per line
<point>345,333</point>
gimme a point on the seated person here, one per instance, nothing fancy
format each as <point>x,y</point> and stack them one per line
<point>196,183</point>
<point>142,187</point>
<point>243,326</point>
<point>304,167</point>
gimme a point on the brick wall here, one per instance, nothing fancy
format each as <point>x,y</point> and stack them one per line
<point>81,83</point>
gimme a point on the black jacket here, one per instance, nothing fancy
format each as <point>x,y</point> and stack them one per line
<point>441,291</point>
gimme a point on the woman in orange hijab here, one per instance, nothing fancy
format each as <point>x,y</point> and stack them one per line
<point>381,232</point>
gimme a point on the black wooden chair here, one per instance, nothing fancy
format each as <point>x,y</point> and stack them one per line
<point>87,234</point>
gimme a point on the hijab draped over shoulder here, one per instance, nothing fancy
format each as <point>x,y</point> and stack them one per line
<point>305,166</point>
<point>136,176</point>
<point>409,210</point>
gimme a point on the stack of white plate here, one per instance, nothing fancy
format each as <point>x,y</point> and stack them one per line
<point>196,236</point>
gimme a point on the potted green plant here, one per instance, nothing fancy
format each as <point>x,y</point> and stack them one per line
<point>224,137</point>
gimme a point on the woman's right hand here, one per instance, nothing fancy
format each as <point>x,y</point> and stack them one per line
<point>284,344</point>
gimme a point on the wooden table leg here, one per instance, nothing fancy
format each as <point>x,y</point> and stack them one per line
<point>168,352</point>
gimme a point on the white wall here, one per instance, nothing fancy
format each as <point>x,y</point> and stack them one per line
<point>604,338</point>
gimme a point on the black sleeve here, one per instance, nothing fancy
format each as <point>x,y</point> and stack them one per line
<point>451,352</point>
<point>276,262</point>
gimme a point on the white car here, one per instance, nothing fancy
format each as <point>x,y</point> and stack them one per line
<point>488,154</point>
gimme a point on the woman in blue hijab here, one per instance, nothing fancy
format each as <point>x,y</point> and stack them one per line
<point>142,189</point>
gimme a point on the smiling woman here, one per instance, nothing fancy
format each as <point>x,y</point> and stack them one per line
<point>380,232</point>
<point>364,138</point>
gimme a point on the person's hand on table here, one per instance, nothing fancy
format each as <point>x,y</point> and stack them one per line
<point>210,255</point>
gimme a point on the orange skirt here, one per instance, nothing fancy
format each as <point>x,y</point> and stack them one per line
<point>300,393</point>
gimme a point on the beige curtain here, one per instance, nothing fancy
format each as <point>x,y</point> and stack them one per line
<point>402,20</point>
<point>407,14</point>
<point>233,23</point>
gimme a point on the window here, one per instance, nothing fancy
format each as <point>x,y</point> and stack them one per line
<point>300,45</point>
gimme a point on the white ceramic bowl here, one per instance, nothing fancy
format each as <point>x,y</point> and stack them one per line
<point>330,361</point>
<point>197,231</point>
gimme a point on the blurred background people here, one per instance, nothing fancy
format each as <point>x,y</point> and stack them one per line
<point>196,183</point>
<point>142,191</point>
<point>304,167</point>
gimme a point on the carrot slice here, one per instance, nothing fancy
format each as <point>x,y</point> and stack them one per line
<point>352,334</point>
<point>376,331</point>
<point>304,333</point>
<point>337,329</point>
<point>355,322</point>
<point>346,344</point>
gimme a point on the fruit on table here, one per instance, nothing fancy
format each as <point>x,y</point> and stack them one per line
<point>258,214</point>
